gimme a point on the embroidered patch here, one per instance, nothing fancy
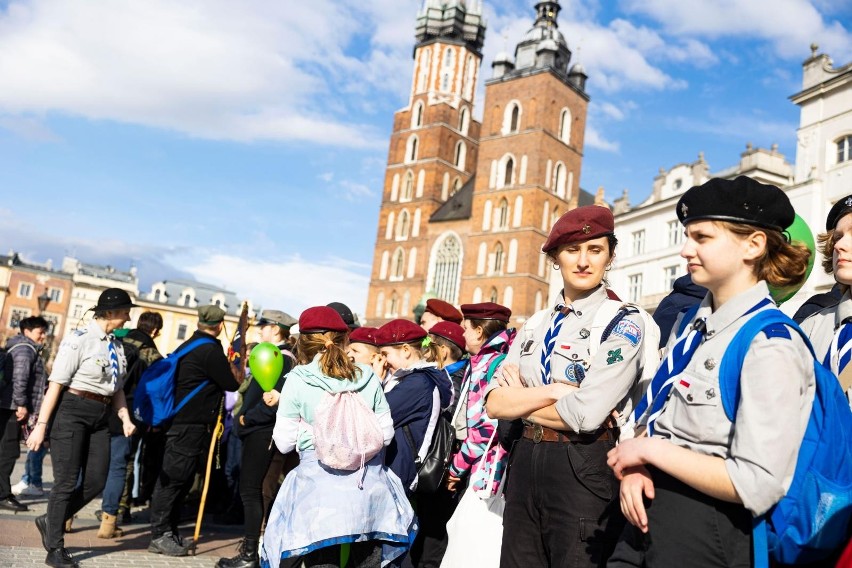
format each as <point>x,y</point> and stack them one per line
<point>575,372</point>
<point>629,331</point>
<point>614,356</point>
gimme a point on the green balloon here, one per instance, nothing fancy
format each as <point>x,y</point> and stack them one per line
<point>266,364</point>
<point>799,233</point>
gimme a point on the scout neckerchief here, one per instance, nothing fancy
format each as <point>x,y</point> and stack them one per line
<point>113,359</point>
<point>550,340</point>
<point>672,366</point>
<point>840,352</point>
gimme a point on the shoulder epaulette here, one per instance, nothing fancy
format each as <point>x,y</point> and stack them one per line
<point>777,330</point>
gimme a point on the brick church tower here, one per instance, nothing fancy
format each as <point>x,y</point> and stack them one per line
<point>466,206</point>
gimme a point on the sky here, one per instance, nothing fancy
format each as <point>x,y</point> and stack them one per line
<point>243,144</point>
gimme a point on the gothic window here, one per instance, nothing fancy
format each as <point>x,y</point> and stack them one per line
<point>502,220</point>
<point>411,149</point>
<point>398,264</point>
<point>565,126</point>
<point>509,173</point>
<point>493,296</point>
<point>464,120</point>
<point>403,225</point>
<point>497,267</point>
<point>448,57</point>
<point>445,81</point>
<point>513,123</point>
<point>461,155</point>
<point>394,306</point>
<point>417,115</point>
<point>559,180</point>
<point>446,269</point>
<point>512,117</point>
<point>844,149</point>
<point>407,187</point>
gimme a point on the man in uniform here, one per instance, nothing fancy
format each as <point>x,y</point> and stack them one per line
<point>188,436</point>
<point>438,311</point>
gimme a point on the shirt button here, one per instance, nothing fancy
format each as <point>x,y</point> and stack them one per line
<point>710,364</point>
<point>689,397</point>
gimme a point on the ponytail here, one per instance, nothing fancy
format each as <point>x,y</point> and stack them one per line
<point>333,360</point>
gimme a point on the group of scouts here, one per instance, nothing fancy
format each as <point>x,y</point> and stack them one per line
<point>611,455</point>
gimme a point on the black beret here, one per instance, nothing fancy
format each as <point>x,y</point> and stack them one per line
<point>841,208</point>
<point>742,200</point>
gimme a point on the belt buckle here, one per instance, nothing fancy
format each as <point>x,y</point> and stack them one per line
<point>538,433</point>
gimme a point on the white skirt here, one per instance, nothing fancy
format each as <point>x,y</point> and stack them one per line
<point>318,507</point>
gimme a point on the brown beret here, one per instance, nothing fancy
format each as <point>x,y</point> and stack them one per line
<point>363,334</point>
<point>580,224</point>
<point>444,310</point>
<point>399,331</point>
<point>450,331</point>
<point>320,319</point>
<point>486,311</point>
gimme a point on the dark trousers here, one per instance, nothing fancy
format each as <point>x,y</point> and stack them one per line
<point>561,506</point>
<point>256,458</point>
<point>186,446</point>
<point>686,529</point>
<point>361,555</point>
<point>150,462</point>
<point>79,446</point>
<point>10,449</point>
<point>433,512</point>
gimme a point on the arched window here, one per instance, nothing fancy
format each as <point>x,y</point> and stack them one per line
<point>565,126</point>
<point>509,173</point>
<point>457,185</point>
<point>394,306</point>
<point>502,218</point>
<point>446,269</point>
<point>407,187</point>
<point>448,57</point>
<point>445,81</point>
<point>512,117</point>
<point>493,296</point>
<point>513,124</point>
<point>497,267</point>
<point>411,149</point>
<point>417,115</point>
<point>559,180</point>
<point>464,120</point>
<point>403,225</point>
<point>461,155</point>
<point>398,265</point>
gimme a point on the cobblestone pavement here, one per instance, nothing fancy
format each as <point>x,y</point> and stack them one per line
<point>20,543</point>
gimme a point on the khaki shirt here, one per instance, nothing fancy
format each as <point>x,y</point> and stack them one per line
<point>82,362</point>
<point>608,376</point>
<point>776,392</point>
<point>822,325</point>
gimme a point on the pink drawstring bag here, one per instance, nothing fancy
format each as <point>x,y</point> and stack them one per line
<point>346,431</point>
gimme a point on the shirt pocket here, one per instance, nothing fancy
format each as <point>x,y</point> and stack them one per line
<point>529,360</point>
<point>93,369</point>
<point>697,407</point>
<point>568,362</point>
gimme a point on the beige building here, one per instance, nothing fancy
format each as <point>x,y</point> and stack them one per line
<point>89,281</point>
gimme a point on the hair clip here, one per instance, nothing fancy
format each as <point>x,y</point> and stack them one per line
<point>427,341</point>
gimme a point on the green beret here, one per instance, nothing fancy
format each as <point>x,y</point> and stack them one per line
<point>210,315</point>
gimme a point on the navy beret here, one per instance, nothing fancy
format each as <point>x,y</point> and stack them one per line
<point>838,210</point>
<point>742,200</point>
<point>580,224</point>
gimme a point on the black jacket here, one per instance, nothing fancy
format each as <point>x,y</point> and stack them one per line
<point>207,362</point>
<point>259,416</point>
<point>684,294</point>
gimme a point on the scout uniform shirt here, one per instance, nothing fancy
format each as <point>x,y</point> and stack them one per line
<point>777,389</point>
<point>821,326</point>
<point>83,362</point>
<point>604,379</point>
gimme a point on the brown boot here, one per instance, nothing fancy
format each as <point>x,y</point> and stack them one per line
<point>108,528</point>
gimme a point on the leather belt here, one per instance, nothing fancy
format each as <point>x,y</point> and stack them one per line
<point>538,433</point>
<point>91,396</point>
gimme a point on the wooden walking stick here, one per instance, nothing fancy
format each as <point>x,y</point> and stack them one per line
<point>218,430</point>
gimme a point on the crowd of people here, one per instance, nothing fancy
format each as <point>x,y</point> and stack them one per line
<point>606,435</point>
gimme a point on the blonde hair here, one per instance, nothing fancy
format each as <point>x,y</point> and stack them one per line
<point>432,353</point>
<point>333,360</point>
<point>782,264</point>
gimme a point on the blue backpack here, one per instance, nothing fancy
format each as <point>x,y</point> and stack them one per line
<point>813,519</point>
<point>154,398</point>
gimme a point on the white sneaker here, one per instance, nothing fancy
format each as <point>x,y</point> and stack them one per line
<point>32,491</point>
<point>19,487</point>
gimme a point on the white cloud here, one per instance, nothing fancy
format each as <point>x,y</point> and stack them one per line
<point>291,284</point>
<point>789,25</point>
<point>595,139</point>
<point>326,176</point>
<point>353,191</point>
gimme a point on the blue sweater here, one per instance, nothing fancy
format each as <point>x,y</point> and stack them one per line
<point>410,403</point>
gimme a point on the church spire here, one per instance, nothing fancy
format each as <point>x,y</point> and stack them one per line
<point>454,21</point>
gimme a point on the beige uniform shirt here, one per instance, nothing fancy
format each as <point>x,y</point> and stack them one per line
<point>822,325</point>
<point>82,362</point>
<point>606,378</point>
<point>776,392</point>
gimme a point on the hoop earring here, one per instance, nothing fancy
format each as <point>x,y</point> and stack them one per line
<point>555,267</point>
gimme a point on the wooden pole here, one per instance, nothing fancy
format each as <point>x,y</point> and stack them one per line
<point>217,433</point>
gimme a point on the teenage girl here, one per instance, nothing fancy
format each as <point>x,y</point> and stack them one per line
<point>705,476</point>
<point>318,508</point>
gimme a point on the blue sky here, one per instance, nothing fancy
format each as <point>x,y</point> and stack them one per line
<point>243,143</point>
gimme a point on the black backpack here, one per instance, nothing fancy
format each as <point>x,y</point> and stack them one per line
<point>432,470</point>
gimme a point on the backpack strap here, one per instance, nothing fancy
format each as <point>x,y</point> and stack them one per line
<point>774,323</point>
<point>492,367</point>
<point>190,346</point>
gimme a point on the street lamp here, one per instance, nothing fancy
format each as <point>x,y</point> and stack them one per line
<point>43,301</point>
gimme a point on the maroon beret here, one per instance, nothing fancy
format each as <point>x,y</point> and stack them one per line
<point>320,319</point>
<point>486,311</point>
<point>450,331</point>
<point>444,310</point>
<point>580,224</point>
<point>363,335</point>
<point>399,331</point>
